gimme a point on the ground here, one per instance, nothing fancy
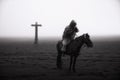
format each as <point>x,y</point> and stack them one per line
<point>22,60</point>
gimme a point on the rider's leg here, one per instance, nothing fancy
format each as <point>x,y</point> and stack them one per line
<point>64,42</point>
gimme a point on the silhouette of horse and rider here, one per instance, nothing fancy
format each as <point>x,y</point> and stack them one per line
<point>69,45</point>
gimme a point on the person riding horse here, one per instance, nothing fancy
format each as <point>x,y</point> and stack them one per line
<point>69,34</point>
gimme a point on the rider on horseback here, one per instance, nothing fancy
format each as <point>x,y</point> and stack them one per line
<point>69,34</point>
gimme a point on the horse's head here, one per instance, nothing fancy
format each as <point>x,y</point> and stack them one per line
<point>86,40</point>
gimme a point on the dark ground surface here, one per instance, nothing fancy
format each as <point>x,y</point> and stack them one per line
<point>26,61</point>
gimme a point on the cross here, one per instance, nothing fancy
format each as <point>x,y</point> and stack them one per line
<point>36,25</point>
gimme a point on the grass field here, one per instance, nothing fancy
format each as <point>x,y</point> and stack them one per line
<point>22,60</point>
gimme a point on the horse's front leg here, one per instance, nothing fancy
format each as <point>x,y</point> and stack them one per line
<point>74,62</point>
<point>71,59</point>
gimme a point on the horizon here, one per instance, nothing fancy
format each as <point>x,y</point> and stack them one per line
<point>42,39</point>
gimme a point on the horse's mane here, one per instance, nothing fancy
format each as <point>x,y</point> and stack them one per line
<point>79,37</point>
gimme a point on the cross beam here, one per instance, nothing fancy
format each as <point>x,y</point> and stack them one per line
<point>36,25</point>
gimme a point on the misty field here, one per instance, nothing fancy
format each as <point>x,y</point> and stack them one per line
<point>22,60</point>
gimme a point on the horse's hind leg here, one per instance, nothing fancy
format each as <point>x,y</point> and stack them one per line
<point>71,60</point>
<point>59,56</point>
<point>74,62</point>
<point>59,61</point>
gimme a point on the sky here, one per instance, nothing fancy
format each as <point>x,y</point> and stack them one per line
<point>96,17</point>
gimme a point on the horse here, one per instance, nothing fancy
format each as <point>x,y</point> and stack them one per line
<point>73,50</point>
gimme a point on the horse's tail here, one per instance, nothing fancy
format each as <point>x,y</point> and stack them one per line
<point>59,55</point>
<point>59,46</point>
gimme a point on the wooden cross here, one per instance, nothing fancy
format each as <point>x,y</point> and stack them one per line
<point>36,25</point>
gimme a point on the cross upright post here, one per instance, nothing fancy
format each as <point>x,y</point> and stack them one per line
<point>36,25</point>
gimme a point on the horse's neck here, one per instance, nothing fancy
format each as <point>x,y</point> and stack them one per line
<point>79,42</point>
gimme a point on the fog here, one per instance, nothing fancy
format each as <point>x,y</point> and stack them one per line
<point>96,17</point>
